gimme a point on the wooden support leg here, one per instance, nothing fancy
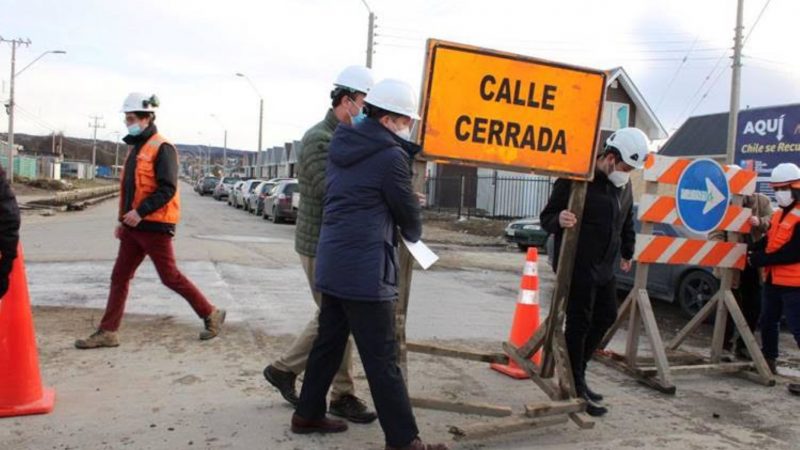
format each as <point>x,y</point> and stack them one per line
<point>532,371</point>
<point>502,427</point>
<point>749,339</point>
<point>654,335</point>
<point>632,344</point>
<point>720,323</point>
<point>622,316</point>
<point>696,321</point>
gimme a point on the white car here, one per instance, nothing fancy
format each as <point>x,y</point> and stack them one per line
<point>249,186</point>
<point>236,191</point>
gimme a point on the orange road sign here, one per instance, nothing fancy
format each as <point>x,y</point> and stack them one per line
<point>495,109</point>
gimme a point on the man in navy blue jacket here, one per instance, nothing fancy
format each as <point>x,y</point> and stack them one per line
<point>369,204</point>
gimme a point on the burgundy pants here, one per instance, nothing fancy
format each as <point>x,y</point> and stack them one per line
<point>133,247</point>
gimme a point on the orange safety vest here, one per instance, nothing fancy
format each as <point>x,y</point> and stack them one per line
<point>146,183</point>
<point>779,233</point>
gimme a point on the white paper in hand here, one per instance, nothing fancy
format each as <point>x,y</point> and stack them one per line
<point>422,253</point>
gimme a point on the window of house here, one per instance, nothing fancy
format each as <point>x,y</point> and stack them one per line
<point>615,116</point>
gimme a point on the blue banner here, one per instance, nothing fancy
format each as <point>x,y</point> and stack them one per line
<point>765,138</point>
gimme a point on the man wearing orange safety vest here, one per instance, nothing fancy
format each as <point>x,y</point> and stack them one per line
<point>149,210</point>
<point>781,262</point>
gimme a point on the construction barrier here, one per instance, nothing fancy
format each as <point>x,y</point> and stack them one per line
<point>526,316</point>
<point>21,391</point>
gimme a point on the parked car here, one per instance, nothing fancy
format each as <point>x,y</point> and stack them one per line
<point>223,188</point>
<point>207,185</point>
<point>247,190</point>
<point>278,204</point>
<point>236,191</point>
<point>691,287</point>
<point>256,200</point>
<point>526,233</point>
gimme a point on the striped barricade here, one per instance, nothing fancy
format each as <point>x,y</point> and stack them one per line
<point>673,250</point>
<point>668,170</point>
<point>662,209</point>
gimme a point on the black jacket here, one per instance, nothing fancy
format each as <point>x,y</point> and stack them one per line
<point>368,196</point>
<point>789,253</point>
<point>166,176</point>
<point>606,226</point>
<point>9,230</point>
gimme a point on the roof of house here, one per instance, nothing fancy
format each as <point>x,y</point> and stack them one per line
<point>647,121</point>
<point>699,136</point>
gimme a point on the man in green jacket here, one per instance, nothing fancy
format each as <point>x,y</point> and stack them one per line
<point>350,88</point>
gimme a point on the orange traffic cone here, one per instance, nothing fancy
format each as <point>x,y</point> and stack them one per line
<point>526,315</point>
<point>21,391</point>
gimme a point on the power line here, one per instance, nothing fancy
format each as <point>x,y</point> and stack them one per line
<point>677,72</point>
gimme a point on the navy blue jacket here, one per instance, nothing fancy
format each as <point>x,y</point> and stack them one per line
<point>368,197</point>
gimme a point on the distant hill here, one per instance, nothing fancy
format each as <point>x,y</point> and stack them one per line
<point>81,149</point>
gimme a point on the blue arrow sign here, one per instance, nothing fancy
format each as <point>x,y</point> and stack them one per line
<point>702,196</point>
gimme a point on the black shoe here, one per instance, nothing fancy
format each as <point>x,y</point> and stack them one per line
<point>593,396</point>
<point>284,382</point>
<point>773,366</point>
<point>353,409</point>
<point>794,388</point>
<point>594,409</point>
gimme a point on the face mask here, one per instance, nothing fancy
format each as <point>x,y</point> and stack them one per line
<point>404,134</point>
<point>358,118</point>
<point>784,198</point>
<point>619,179</point>
<point>135,129</point>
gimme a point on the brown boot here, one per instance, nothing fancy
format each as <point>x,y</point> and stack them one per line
<point>99,338</point>
<point>213,324</point>
<point>323,426</point>
<point>417,444</point>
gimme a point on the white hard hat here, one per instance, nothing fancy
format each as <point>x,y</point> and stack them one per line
<point>631,143</point>
<point>785,174</point>
<point>139,102</point>
<point>394,96</point>
<point>357,78</point>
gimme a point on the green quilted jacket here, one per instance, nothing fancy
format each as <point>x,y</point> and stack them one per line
<point>311,177</point>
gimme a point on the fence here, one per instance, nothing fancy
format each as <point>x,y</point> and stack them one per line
<point>491,196</point>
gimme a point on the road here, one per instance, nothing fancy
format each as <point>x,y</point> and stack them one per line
<point>164,389</point>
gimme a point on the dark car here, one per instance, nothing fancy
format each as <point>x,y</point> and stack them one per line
<point>223,188</point>
<point>207,185</point>
<point>526,233</point>
<point>278,203</point>
<point>690,286</point>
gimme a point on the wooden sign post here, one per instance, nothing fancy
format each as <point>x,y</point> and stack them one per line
<point>493,109</point>
<point>656,372</point>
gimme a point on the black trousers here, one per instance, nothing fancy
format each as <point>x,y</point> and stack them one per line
<point>372,325</point>
<point>748,296</point>
<point>591,310</point>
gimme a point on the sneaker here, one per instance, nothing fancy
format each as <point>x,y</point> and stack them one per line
<point>284,382</point>
<point>593,408</point>
<point>98,339</point>
<point>773,366</point>
<point>213,324</point>
<point>593,396</point>
<point>322,426</point>
<point>353,409</point>
<point>794,388</point>
<point>417,444</point>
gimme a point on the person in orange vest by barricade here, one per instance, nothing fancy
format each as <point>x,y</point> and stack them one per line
<point>780,258</point>
<point>149,211</point>
<point>9,231</point>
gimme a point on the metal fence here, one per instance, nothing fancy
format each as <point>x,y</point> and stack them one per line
<point>491,196</point>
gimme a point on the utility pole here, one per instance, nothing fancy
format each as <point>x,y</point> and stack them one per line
<point>10,106</point>
<point>370,34</point>
<point>259,156</point>
<point>736,84</point>
<point>95,124</point>
<point>225,153</point>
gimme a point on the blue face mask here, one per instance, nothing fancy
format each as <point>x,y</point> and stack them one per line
<point>358,118</point>
<point>135,129</point>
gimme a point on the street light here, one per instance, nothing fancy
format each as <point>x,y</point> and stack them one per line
<point>10,107</point>
<point>260,116</point>
<point>224,145</point>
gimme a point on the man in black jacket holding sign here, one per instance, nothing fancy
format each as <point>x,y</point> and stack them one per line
<point>9,231</point>
<point>606,231</point>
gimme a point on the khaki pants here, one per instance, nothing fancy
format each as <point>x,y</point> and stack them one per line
<point>295,359</point>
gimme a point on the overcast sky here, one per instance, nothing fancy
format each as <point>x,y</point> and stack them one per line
<point>188,51</point>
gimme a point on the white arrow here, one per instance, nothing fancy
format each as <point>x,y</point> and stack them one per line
<point>714,196</point>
